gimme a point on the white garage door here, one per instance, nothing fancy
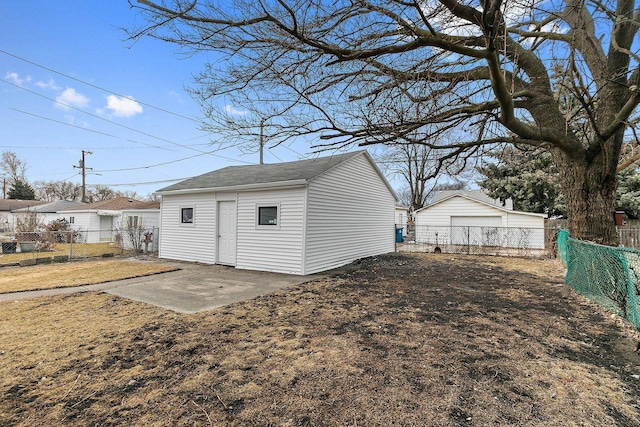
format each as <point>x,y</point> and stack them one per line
<point>476,221</point>
<point>476,230</point>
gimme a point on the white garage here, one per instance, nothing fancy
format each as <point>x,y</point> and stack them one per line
<point>472,218</point>
<point>298,217</point>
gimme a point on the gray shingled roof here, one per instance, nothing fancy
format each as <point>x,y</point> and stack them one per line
<point>53,207</point>
<point>117,204</point>
<point>9,205</point>
<point>234,176</point>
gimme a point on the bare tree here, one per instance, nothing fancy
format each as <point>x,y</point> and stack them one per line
<point>57,190</point>
<point>378,72</point>
<point>12,167</point>
<point>413,163</point>
<point>132,232</point>
<point>99,192</point>
<point>416,164</point>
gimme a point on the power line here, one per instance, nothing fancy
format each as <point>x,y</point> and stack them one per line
<point>92,115</point>
<point>67,124</point>
<point>109,91</point>
<point>95,86</point>
<point>88,130</point>
<point>124,126</point>
<point>131,184</point>
<point>157,164</point>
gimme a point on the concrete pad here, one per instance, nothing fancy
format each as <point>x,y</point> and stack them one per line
<point>199,287</point>
<point>193,288</point>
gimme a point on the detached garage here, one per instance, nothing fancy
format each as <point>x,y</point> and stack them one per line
<point>472,218</point>
<point>298,217</point>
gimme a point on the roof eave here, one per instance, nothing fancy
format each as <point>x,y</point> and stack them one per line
<point>500,208</point>
<point>245,187</point>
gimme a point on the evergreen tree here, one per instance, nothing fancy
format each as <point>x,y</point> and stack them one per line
<point>21,190</point>
<point>628,192</point>
<point>528,177</point>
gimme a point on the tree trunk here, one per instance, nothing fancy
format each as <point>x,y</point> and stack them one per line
<point>589,191</point>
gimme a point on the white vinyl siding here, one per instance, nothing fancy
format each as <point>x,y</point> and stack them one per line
<point>532,229</point>
<point>87,223</point>
<point>271,248</point>
<point>476,230</point>
<point>350,215</point>
<point>441,213</point>
<point>476,221</point>
<point>195,243</point>
<point>81,221</point>
<point>48,217</point>
<point>321,223</point>
<point>515,219</point>
<point>149,218</point>
<point>461,211</point>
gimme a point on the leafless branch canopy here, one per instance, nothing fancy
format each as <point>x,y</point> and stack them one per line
<point>560,74</point>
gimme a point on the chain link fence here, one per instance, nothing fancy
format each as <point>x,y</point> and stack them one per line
<point>42,247</point>
<point>508,241</point>
<point>609,276</point>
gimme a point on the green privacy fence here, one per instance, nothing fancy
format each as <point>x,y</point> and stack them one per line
<point>609,276</point>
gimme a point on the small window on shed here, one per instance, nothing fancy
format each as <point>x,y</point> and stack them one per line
<point>186,215</point>
<point>267,215</point>
<point>72,219</point>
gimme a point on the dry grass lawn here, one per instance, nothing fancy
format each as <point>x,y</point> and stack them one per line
<point>18,279</point>
<point>397,340</point>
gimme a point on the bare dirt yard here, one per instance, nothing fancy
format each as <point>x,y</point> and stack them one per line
<point>396,340</point>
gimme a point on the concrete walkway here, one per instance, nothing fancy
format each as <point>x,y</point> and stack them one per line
<point>193,288</point>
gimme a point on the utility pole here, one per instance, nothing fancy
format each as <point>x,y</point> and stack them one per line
<point>83,169</point>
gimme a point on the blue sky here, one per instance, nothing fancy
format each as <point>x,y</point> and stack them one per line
<point>69,81</point>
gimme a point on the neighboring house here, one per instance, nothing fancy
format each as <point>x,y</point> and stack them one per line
<point>471,217</point>
<point>402,218</point>
<point>48,212</point>
<point>100,221</point>
<point>298,217</point>
<point>7,212</point>
<point>137,222</point>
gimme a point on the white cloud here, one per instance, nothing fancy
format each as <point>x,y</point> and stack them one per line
<point>123,106</point>
<point>230,109</point>
<point>48,85</point>
<point>70,98</point>
<point>176,97</point>
<point>16,79</point>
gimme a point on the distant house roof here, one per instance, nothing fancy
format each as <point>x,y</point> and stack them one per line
<point>10,205</point>
<point>53,207</point>
<point>117,204</point>
<point>144,205</point>
<point>478,195</point>
<point>263,176</point>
